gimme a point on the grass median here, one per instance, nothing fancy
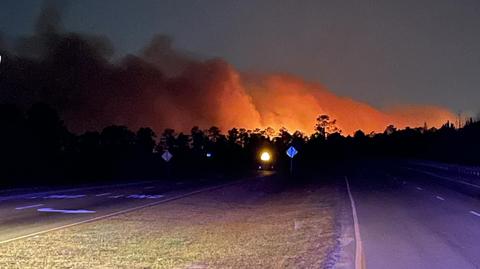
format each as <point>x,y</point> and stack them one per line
<point>251,225</point>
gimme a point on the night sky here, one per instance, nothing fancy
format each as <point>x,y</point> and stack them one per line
<point>380,52</point>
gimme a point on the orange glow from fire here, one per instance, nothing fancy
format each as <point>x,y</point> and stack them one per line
<point>286,101</point>
<point>213,93</point>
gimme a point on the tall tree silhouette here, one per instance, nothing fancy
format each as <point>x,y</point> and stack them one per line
<point>145,140</point>
<point>47,131</point>
<point>326,126</point>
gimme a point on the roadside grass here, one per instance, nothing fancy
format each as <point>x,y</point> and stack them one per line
<point>242,226</point>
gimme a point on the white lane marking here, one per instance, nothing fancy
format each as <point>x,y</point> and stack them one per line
<point>149,187</point>
<point>66,211</point>
<point>440,198</point>
<point>358,241</point>
<point>123,211</point>
<point>475,213</point>
<point>28,206</point>
<point>4,198</point>
<point>62,196</point>
<point>419,188</point>
<point>115,196</point>
<point>103,194</point>
<point>143,196</point>
<point>446,178</point>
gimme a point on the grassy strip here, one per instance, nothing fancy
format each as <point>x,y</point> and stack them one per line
<point>244,226</point>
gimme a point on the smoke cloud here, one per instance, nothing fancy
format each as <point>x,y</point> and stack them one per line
<point>283,100</point>
<point>163,87</point>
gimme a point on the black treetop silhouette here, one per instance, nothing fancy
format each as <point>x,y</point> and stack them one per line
<point>37,148</point>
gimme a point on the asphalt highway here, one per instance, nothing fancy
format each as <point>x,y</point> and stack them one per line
<point>411,220</point>
<point>24,213</point>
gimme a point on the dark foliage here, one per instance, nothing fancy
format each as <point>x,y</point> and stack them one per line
<point>37,149</point>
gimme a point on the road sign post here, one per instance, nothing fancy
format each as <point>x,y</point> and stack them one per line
<point>291,166</point>
<point>291,152</point>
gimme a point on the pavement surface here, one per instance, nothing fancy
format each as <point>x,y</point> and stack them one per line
<point>408,219</point>
<point>25,214</point>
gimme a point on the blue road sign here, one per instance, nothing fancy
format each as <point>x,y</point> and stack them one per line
<point>167,155</point>
<point>291,152</point>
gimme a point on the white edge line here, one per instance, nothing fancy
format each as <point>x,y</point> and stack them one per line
<point>446,178</point>
<point>440,198</point>
<point>358,239</point>
<point>28,206</point>
<point>66,211</point>
<point>120,212</point>
<point>20,196</point>
<point>103,194</point>
<point>64,196</point>
<point>475,213</point>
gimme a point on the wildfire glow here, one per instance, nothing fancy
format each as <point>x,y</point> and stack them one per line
<point>286,101</point>
<point>214,93</point>
<point>165,88</point>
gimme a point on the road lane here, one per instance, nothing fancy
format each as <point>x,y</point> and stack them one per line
<point>25,214</point>
<point>419,224</point>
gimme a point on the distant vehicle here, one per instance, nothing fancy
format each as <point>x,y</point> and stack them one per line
<point>266,167</point>
<point>265,160</point>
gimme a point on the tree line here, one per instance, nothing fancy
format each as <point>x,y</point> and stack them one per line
<point>37,148</point>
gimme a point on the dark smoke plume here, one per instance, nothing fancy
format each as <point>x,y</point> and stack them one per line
<point>164,87</point>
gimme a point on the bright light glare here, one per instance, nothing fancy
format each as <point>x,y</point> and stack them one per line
<point>265,156</point>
